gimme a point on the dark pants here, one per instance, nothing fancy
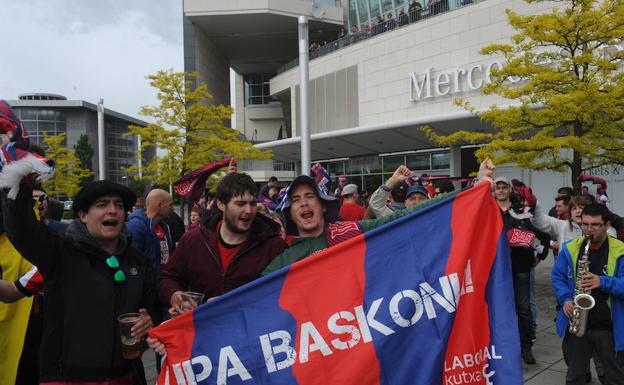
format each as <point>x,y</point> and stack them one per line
<point>579,350</point>
<point>522,294</point>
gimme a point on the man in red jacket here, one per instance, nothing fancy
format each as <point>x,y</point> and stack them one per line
<point>228,250</point>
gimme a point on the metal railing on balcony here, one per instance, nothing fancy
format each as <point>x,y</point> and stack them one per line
<point>383,25</point>
<point>331,3</point>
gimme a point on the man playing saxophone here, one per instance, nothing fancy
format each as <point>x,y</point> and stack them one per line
<point>604,326</point>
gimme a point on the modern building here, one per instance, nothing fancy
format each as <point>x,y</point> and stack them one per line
<point>49,114</point>
<point>370,91</point>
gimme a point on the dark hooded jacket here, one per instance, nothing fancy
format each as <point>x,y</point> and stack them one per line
<point>144,238</point>
<point>81,339</point>
<point>196,263</point>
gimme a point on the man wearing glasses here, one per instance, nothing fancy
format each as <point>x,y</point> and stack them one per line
<point>91,276</point>
<point>605,322</point>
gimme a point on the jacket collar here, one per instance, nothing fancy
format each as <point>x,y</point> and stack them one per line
<point>77,231</point>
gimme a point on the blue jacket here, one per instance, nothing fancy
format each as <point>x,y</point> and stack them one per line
<point>563,276</point>
<point>141,230</point>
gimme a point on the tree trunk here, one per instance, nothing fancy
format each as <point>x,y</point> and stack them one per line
<point>576,169</point>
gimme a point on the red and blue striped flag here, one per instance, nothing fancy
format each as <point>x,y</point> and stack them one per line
<point>425,299</point>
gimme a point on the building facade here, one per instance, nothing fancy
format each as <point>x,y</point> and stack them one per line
<point>370,90</point>
<point>49,114</point>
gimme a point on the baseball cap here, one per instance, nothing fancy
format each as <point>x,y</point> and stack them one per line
<point>349,189</point>
<point>399,192</point>
<point>94,190</point>
<point>332,205</point>
<point>502,179</point>
<point>416,189</point>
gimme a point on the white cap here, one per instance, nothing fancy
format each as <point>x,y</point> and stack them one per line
<point>349,189</point>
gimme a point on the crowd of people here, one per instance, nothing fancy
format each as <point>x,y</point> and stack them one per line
<point>123,254</point>
<point>416,11</point>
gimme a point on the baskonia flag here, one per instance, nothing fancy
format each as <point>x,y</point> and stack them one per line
<point>426,299</point>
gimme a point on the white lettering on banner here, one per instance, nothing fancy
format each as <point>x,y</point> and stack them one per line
<point>228,355</point>
<point>332,325</point>
<point>470,364</point>
<point>305,348</point>
<point>355,324</point>
<point>270,351</point>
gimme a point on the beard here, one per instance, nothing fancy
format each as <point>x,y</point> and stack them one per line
<point>232,224</point>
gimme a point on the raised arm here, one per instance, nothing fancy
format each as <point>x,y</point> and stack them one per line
<point>378,200</point>
<point>545,223</point>
<point>32,239</point>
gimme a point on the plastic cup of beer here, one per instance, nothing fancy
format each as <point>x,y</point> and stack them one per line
<point>191,300</point>
<point>130,347</point>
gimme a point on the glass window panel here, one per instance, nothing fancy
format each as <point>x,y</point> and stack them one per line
<point>47,128</point>
<point>386,5</point>
<point>27,114</point>
<point>356,180</point>
<point>30,126</point>
<point>361,165</point>
<point>336,168</point>
<point>440,160</point>
<point>390,163</point>
<point>419,161</point>
<point>255,90</point>
<point>46,115</point>
<point>363,10</point>
<point>367,164</point>
<point>371,183</point>
<point>352,14</point>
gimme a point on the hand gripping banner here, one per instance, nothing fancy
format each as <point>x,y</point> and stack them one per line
<point>426,299</point>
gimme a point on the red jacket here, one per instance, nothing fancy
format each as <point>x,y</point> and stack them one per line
<point>196,263</point>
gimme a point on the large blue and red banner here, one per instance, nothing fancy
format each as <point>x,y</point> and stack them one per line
<point>425,299</point>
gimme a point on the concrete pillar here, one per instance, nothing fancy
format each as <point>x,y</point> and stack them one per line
<point>455,163</point>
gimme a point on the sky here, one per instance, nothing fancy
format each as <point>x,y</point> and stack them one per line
<point>89,49</point>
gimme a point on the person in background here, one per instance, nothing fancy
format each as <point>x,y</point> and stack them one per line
<point>194,218</point>
<point>350,210</point>
<point>150,233</point>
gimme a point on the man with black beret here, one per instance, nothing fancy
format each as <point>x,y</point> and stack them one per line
<point>92,275</point>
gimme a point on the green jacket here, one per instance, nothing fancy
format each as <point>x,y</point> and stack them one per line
<point>303,247</point>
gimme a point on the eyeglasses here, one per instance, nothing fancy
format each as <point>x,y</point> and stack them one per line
<point>593,226</point>
<point>113,263</point>
<point>40,198</point>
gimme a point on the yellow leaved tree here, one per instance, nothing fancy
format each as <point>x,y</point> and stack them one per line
<point>68,171</point>
<point>567,93</point>
<point>189,128</point>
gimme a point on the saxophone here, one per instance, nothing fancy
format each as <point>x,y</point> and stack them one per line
<point>583,301</point>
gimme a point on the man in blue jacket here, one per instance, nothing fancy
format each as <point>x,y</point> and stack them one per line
<point>605,322</point>
<point>148,229</point>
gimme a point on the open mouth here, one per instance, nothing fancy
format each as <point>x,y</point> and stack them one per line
<point>307,214</point>
<point>110,223</point>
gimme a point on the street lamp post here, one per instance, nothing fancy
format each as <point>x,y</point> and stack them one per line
<point>101,141</point>
<point>304,121</point>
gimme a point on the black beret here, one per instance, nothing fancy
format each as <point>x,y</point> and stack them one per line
<point>94,190</point>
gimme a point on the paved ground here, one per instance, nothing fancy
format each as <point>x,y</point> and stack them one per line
<point>550,368</point>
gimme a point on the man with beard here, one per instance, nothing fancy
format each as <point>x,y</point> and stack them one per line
<point>228,250</point>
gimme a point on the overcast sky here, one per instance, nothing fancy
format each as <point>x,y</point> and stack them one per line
<point>87,49</point>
